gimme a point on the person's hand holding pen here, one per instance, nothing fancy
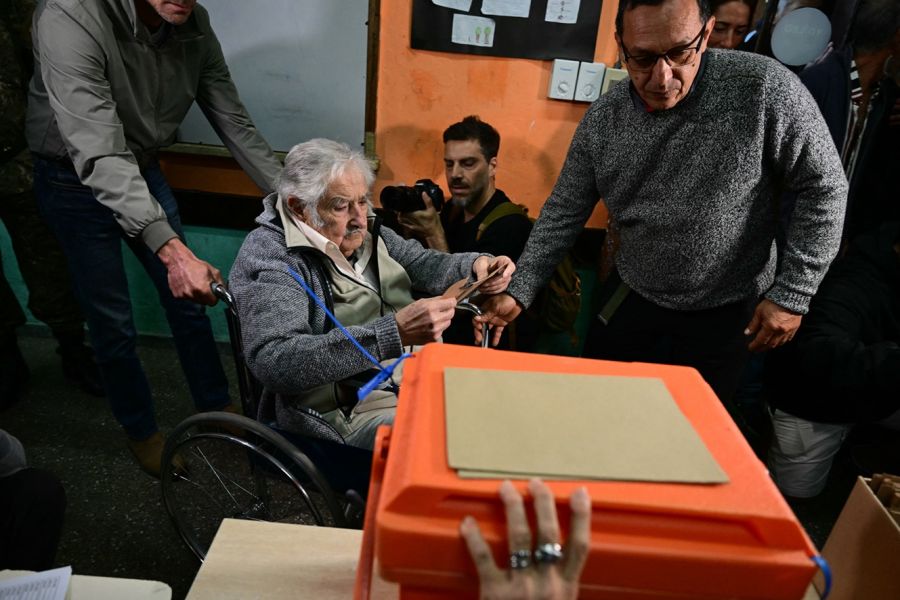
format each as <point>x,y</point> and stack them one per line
<point>551,571</point>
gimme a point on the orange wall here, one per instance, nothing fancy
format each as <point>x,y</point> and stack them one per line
<point>420,93</point>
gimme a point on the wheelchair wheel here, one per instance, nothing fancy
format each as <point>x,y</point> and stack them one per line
<point>221,465</point>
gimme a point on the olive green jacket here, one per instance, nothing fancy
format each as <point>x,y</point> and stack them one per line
<point>107,95</point>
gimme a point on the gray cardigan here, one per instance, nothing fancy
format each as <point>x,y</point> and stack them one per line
<point>693,190</point>
<point>286,341</point>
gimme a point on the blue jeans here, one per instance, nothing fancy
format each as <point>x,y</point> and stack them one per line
<point>91,239</point>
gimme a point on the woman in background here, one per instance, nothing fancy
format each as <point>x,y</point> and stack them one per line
<point>732,22</point>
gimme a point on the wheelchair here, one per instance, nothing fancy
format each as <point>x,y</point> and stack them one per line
<point>219,465</point>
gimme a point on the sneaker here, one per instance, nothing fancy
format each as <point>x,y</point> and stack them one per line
<point>148,454</point>
<point>78,365</point>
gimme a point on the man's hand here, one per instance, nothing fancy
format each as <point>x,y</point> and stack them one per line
<point>498,311</point>
<point>772,326</point>
<point>484,265</point>
<point>425,225</point>
<point>189,277</point>
<point>425,320</point>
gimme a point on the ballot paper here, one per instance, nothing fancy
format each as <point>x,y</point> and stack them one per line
<point>512,424</point>
<point>46,585</point>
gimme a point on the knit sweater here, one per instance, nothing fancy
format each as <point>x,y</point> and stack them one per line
<point>287,344</point>
<point>693,190</point>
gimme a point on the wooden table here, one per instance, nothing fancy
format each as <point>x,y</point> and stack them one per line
<point>255,559</point>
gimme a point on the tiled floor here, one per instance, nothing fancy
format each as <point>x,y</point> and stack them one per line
<point>115,523</point>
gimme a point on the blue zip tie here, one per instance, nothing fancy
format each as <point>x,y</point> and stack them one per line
<point>380,377</point>
<point>826,572</point>
<point>384,373</point>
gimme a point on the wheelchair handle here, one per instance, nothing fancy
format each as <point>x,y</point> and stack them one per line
<point>469,307</point>
<point>221,292</point>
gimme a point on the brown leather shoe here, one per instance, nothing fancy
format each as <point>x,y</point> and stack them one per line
<point>149,452</point>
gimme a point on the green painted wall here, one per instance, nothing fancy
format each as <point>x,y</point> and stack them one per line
<point>217,246</point>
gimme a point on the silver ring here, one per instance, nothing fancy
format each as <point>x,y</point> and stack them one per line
<point>520,559</point>
<point>548,554</point>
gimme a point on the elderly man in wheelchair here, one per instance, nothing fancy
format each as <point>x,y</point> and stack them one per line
<point>319,246</point>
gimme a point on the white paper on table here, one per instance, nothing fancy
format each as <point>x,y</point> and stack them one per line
<point>506,8</point>
<point>473,31</point>
<point>562,11</point>
<point>463,5</point>
<point>46,585</point>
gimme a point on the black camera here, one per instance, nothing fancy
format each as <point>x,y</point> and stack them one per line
<point>401,198</point>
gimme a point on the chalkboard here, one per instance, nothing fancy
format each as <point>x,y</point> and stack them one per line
<point>543,29</point>
<point>299,66</point>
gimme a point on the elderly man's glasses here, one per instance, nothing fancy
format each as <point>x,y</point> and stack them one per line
<point>679,56</point>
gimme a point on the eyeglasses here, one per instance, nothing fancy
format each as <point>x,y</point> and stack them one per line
<point>679,56</point>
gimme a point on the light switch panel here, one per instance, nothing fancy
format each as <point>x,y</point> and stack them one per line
<point>590,79</point>
<point>563,79</point>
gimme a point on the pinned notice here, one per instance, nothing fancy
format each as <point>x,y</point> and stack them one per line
<point>562,11</point>
<point>474,31</point>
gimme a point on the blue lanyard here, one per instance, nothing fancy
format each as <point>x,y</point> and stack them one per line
<point>384,373</point>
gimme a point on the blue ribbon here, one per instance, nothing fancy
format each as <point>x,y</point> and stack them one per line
<point>384,373</point>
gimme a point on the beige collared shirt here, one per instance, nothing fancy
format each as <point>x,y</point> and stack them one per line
<point>298,233</point>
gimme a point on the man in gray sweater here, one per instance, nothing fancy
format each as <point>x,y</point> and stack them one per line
<point>690,157</point>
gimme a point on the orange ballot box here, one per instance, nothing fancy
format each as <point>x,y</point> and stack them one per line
<point>682,509</point>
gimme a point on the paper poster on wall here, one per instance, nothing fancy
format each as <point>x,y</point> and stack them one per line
<point>473,31</point>
<point>562,11</point>
<point>506,8</point>
<point>541,29</point>
<point>462,5</point>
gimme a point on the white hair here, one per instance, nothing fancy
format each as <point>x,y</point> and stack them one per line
<point>311,167</point>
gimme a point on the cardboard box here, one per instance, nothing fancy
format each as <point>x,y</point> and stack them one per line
<point>863,550</point>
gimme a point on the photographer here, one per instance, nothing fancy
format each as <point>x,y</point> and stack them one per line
<point>470,164</point>
<point>478,218</point>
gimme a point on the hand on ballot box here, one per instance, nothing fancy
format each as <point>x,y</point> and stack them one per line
<point>551,570</point>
